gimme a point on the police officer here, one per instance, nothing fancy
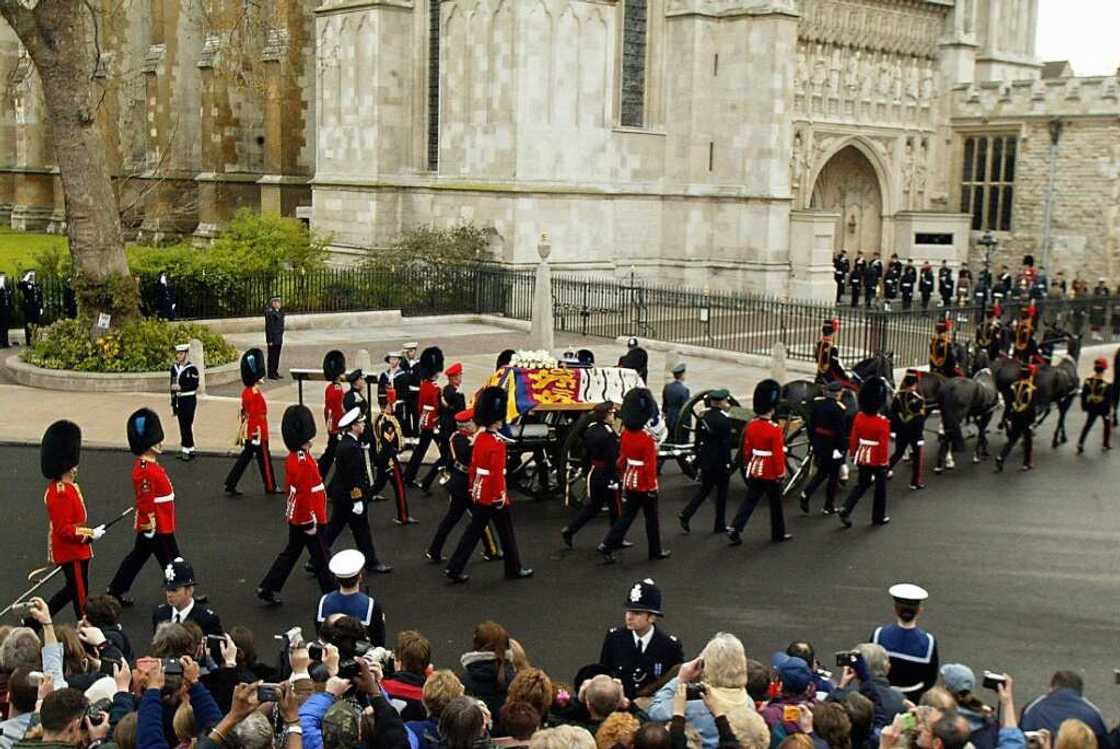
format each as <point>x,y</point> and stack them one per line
<point>869,444</point>
<point>856,278</point>
<point>5,309</point>
<point>334,370</point>
<point>908,423</point>
<point>1096,398</point>
<point>763,462</point>
<point>907,283</point>
<point>181,606</point>
<point>635,358</point>
<point>184,398</point>
<point>254,417</point>
<point>451,402</point>
<point>458,489</point>
<point>840,268</point>
<point>925,284</point>
<point>828,436</point>
<point>1023,413</point>
<point>714,460</point>
<point>274,335</point>
<point>827,355</point>
<point>349,490</point>
<point>674,396</point>
<point>31,302</point>
<point>640,653</point>
<point>154,519</point>
<point>912,650</point>
<point>346,567</point>
<point>600,460</point>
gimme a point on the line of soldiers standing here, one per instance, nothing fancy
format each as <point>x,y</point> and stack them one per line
<point>870,280</point>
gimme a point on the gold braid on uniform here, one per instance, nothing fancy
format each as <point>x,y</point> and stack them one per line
<point>1024,394</point>
<point>935,358</point>
<point>824,355</point>
<point>379,431</point>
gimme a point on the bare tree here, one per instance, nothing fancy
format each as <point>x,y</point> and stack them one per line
<point>61,37</point>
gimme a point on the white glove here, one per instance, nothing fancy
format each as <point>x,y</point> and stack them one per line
<point>98,532</point>
<point>150,534</point>
<point>921,443</point>
<point>837,455</point>
<point>357,508</point>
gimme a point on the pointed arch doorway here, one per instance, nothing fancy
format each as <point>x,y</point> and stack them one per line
<point>849,185</point>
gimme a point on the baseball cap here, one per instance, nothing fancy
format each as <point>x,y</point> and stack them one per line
<point>958,678</point>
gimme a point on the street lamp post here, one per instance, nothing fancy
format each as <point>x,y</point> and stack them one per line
<point>990,244</point>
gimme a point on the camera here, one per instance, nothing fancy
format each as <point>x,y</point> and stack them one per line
<point>268,693</point>
<point>35,678</point>
<point>846,658</point>
<point>172,675</point>
<point>695,691</point>
<point>993,680</point>
<point>98,711</point>
<point>293,638</point>
<point>315,651</point>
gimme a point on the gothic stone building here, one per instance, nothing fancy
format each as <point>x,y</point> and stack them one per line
<point>732,143</point>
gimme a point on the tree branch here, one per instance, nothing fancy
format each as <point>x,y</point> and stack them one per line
<point>22,20</point>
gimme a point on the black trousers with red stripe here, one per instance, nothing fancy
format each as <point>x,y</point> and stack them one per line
<point>389,472</point>
<point>162,545</point>
<point>599,493</point>
<point>76,589</point>
<point>264,463</point>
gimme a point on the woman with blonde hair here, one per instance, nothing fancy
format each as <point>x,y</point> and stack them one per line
<point>1074,734</point>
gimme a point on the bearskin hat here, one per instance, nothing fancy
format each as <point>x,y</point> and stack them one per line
<point>144,431</point>
<point>431,362</point>
<point>767,395</point>
<point>334,365</point>
<point>1028,260</point>
<point>297,427</point>
<point>638,407</point>
<point>490,406</point>
<point>586,357</point>
<point>872,395</point>
<point>252,367</point>
<point>60,450</point>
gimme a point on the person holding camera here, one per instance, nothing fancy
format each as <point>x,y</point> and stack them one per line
<point>959,680</point>
<point>67,723</point>
<point>336,716</point>
<point>171,682</point>
<point>869,664</point>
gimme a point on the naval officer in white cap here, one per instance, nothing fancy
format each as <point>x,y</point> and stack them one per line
<point>912,650</point>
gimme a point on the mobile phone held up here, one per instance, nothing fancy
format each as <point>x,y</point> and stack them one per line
<point>268,693</point>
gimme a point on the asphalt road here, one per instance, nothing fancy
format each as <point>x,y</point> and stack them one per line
<point>1022,569</point>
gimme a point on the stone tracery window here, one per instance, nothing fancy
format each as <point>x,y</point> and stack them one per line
<point>988,181</point>
<point>634,42</point>
<point>433,85</point>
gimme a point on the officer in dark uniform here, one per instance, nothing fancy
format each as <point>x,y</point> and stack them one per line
<point>893,278</point>
<point>458,490</point>
<point>409,394</point>
<point>1096,399</point>
<point>907,283</point>
<point>356,398</point>
<point>840,268</point>
<point>274,336</point>
<point>990,334</point>
<point>181,605</point>
<point>829,367</point>
<point>1023,413</point>
<point>912,650</point>
<point>1023,346</point>
<point>636,359</point>
<point>600,460</point>
<point>184,398</point>
<point>640,653</point>
<point>856,278</point>
<point>945,284</point>
<point>31,302</point>
<point>387,446</point>
<point>925,284</point>
<point>874,275</point>
<point>674,396</point>
<point>5,309</point>
<point>451,401</point>
<point>165,298</point>
<point>828,436</point>
<point>942,358</point>
<point>1004,282</point>
<point>908,423</point>
<point>349,490</point>
<point>714,462</point>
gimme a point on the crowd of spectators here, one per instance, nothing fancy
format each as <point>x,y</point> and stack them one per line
<point>87,686</point>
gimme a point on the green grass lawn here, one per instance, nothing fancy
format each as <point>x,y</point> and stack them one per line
<point>18,249</point>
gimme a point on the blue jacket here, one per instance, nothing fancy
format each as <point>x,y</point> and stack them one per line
<point>311,719</point>
<point>1049,710</point>
<point>421,731</point>
<point>696,713</point>
<point>150,720</point>
<point>1011,738</point>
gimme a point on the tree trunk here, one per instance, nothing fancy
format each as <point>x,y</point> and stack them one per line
<point>59,36</point>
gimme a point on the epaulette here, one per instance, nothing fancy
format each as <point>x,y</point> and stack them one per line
<point>612,630</point>
<point>673,638</point>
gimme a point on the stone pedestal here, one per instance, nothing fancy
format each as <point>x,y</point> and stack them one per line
<point>541,334</point>
<point>812,239</point>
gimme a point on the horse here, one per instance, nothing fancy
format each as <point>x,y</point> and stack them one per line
<point>797,393</point>
<point>962,399</point>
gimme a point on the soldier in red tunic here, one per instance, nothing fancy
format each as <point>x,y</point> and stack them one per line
<point>154,520</point>
<point>869,445</point>
<point>490,503</point>
<point>254,415</point>
<point>69,539</point>
<point>763,463</point>
<point>305,511</point>
<point>427,405</point>
<point>637,466</point>
<point>334,368</point>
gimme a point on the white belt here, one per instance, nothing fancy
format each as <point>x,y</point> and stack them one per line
<point>761,453</point>
<point>868,443</point>
<point>318,488</point>
<point>414,389</point>
<point>429,408</point>
<point>187,394</point>
<point>630,462</point>
<point>481,472</point>
<point>168,498</point>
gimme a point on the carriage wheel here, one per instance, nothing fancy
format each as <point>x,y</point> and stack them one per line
<point>685,432</point>
<point>798,454</point>
<point>571,466</point>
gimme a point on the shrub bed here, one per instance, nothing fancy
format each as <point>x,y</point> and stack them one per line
<point>144,345</point>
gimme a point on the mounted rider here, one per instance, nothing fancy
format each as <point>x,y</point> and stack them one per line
<point>990,333</point>
<point>1024,348</point>
<point>942,358</point>
<point>829,367</point>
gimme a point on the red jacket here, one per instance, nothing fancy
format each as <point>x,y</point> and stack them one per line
<point>155,497</point>
<point>764,450</point>
<point>255,410</point>
<point>332,406</point>
<point>487,473</point>
<point>69,538</point>
<point>637,461</point>
<point>307,497</point>
<point>869,442</point>
<point>428,404</point>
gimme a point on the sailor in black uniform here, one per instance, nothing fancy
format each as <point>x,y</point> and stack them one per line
<point>912,650</point>
<point>184,398</point>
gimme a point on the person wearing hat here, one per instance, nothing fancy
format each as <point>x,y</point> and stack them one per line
<point>254,424</point>
<point>388,442</point>
<point>1096,399</point>
<point>306,510</point>
<point>925,283</point>
<point>355,397</point>
<point>714,460</point>
<point>334,369</point>
<point>1023,347</point>
<point>349,489</point>
<point>458,491</point>
<point>637,460</point>
<point>409,394</point>
<point>945,284</point>
<point>827,355</point>
<point>640,653</point>
<point>6,294</point>
<point>942,357</point>
<point>635,358</point>
<point>855,278</point>
<point>69,539</point>
<point>907,283</point>
<point>486,477</point>
<point>1024,410</point>
<point>600,464</point>
<point>154,519</point>
<point>31,302</point>
<point>392,382</point>
<point>869,445</point>
<point>828,440</point>
<point>990,335</point>
<point>908,425</point>
<point>347,566</point>
<point>428,405</point>
<point>274,335</point>
<point>165,297</point>
<point>451,402</point>
<point>840,268</point>
<point>586,357</point>
<point>763,462</point>
<point>674,397</point>
<point>912,650</point>
<point>181,606</point>
<point>184,398</point>
<point>796,684</point>
<point>872,278</point>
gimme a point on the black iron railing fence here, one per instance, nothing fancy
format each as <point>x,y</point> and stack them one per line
<point>596,306</point>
